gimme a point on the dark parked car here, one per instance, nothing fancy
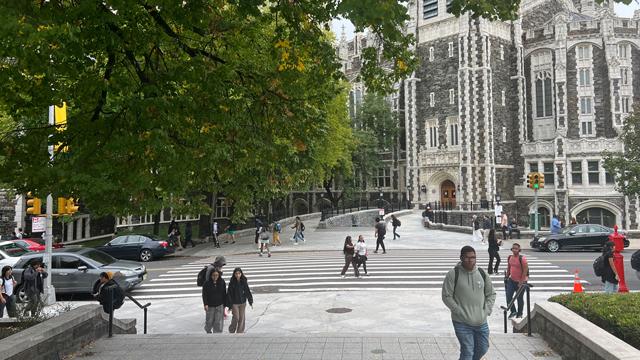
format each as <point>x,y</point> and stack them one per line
<point>137,247</point>
<point>75,270</point>
<point>576,237</point>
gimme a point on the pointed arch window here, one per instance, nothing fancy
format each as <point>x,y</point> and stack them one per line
<point>544,94</point>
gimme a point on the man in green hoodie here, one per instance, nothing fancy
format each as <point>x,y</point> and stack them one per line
<point>468,293</point>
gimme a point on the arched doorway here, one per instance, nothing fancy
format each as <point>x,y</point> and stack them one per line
<point>448,193</point>
<point>596,216</point>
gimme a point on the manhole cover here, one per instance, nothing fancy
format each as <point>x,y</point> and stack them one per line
<point>378,351</point>
<point>338,310</point>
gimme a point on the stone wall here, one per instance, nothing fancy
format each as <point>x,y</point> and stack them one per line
<point>7,214</point>
<point>59,337</point>
<point>358,218</point>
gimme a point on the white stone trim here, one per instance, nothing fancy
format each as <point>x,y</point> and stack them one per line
<point>542,203</point>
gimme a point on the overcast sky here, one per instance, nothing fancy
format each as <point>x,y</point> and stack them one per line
<point>336,25</point>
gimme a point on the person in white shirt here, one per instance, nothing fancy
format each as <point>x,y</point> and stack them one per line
<point>7,297</point>
<point>361,254</point>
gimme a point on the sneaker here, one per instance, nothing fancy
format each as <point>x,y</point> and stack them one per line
<point>226,241</point>
<point>375,252</point>
<point>490,272</point>
<point>233,242</point>
<point>269,255</point>
<point>512,315</point>
<point>343,276</point>
<point>384,252</point>
<point>366,274</point>
<point>260,254</point>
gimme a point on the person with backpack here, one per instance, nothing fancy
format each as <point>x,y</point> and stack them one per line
<point>258,224</point>
<point>494,247</point>
<point>33,280</point>
<point>297,226</point>
<point>609,273</point>
<point>7,297</point>
<point>238,294</point>
<point>395,223</point>
<point>204,274</point>
<point>380,232</point>
<point>516,275</point>
<point>108,292</point>
<point>468,293</point>
<point>277,229</point>
<point>264,240</point>
<point>214,298</point>
<point>348,250</point>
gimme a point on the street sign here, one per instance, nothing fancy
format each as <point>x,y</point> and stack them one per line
<point>38,224</point>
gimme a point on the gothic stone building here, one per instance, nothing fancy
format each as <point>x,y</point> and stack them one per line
<point>492,101</point>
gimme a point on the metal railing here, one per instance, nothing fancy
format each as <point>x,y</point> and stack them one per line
<point>143,307</point>
<point>525,287</point>
<point>353,206</point>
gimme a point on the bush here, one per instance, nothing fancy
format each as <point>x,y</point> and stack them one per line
<point>616,313</point>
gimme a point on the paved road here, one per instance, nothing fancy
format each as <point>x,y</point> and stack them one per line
<point>320,272</point>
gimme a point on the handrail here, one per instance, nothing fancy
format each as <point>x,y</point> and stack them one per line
<point>525,287</point>
<point>143,307</point>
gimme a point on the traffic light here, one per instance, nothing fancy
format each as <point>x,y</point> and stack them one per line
<point>34,205</point>
<point>529,180</point>
<point>536,181</point>
<point>62,206</point>
<point>541,181</point>
<point>71,207</point>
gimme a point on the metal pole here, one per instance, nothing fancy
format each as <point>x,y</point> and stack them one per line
<point>535,214</point>
<point>145,319</point>
<point>111,312</point>
<point>528,312</point>
<point>49,290</point>
<point>505,321</point>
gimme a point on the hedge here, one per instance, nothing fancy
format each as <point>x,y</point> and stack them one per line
<point>619,314</point>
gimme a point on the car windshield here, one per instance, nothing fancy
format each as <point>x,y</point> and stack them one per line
<point>567,229</point>
<point>99,257</point>
<point>13,249</point>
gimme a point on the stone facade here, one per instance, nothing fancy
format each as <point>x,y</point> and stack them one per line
<point>7,214</point>
<point>547,93</point>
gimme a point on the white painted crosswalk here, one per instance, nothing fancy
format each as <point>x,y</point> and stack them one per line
<point>313,272</point>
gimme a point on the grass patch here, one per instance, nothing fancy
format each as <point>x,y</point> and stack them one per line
<point>616,313</point>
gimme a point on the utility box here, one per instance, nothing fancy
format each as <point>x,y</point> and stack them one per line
<point>532,221</point>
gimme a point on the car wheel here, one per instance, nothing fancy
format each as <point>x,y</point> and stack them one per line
<point>146,255</point>
<point>553,246</point>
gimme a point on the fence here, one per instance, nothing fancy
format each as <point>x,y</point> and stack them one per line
<point>470,206</point>
<point>352,206</point>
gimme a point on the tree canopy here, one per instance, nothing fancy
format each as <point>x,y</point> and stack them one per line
<point>625,165</point>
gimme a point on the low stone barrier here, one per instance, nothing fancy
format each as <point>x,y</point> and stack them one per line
<point>356,218</point>
<point>575,337</point>
<point>245,234</point>
<point>63,335</point>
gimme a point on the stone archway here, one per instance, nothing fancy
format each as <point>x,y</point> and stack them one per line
<point>614,216</point>
<point>545,212</point>
<point>434,185</point>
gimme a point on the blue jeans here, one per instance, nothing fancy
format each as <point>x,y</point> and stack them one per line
<point>298,236</point>
<point>511,289</point>
<point>610,288</point>
<point>474,340</point>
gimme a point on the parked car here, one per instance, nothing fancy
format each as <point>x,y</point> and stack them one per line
<point>28,244</point>
<point>138,247</point>
<point>573,237</point>
<point>41,241</point>
<point>10,253</point>
<point>75,270</point>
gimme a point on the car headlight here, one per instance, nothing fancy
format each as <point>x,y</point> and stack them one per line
<point>127,273</point>
<point>542,239</point>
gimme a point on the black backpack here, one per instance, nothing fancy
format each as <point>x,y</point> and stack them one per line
<point>635,261</point>
<point>118,297</point>
<point>301,226</point>
<point>202,276</point>
<point>455,281</point>
<point>598,265</point>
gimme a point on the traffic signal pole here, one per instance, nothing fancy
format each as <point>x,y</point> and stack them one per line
<point>49,290</point>
<point>535,204</point>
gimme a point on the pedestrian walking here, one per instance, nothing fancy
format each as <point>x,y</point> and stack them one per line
<point>395,222</point>
<point>504,225</point>
<point>33,279</point>
<point>214,234</point>
<point>467,291</point>
<point>214,298</point>
<point>218,263</point>
<point>258,225</point>
<point>108,292</point>
<point>610,274</point>
<point>486,226</point>
<point>361,255</point>
<point>231,233</point>
<point>265,239</point>
<point>348,250</point>
<point>297,235</point>
<point>555,225</point>
<point>380,232</point>
<point>238,294</point>
<point>477,232</point>
<point>494,247</point>
<point>517,274</point>
<point>277,229</point>
<point>188,233</point>
<point>7,298</point>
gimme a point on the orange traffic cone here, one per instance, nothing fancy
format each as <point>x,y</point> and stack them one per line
<point>577,285</point>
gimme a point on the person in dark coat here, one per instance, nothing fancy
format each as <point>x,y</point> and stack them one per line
<point>214,298</point>
<point>494,247</point>
<point>610,274</point>
<point>33,279</point>
<point>102,289</point>
<point>238,294</point>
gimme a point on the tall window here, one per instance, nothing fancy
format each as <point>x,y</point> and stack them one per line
<point>431,54</point>
<point>585,77</point>
<point>451,49</point>
<point>585,106</point>
<point>548,173</point>
<point>624,51</point>
<point>452,97</point>
<point>576,172</point>
<point>533,167</point>
<point>429,9</point>
<point>594,172</point>
<point>584,52</point>
<point>432,99</point>
<point>625,104</point>
<point>433,135</point>
<point>544,96</point>
<point>383,179</point>
<point>624,75</point>
<point>453,135</point>
<point>223,208</point>
<point>608,178</point>
<point>586,127</point>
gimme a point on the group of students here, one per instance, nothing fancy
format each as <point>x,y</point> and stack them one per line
<point>33,284</point>
<point>216,297</point>
<point>354,255</point>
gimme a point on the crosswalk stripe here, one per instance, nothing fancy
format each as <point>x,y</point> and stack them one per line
<point>254,274</point>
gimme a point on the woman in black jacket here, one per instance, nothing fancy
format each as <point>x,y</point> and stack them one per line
<point>238,294</point>
<point>494,247</point>
<point>214,298</point>
<point>349,257</point>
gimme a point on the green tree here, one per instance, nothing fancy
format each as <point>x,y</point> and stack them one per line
<point>625,165</point>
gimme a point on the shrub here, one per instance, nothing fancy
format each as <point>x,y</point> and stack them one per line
<point>616,313</point>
